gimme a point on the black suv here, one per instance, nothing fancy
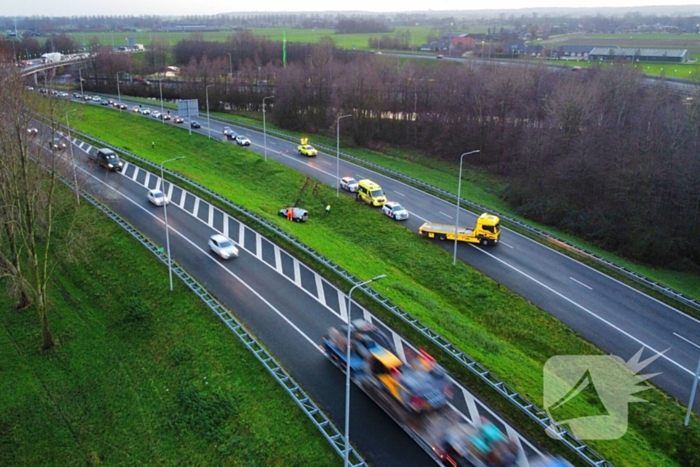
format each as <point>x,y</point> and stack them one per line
<point>108,159</point>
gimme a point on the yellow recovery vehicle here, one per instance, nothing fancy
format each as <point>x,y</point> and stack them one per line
<point>486,232</point>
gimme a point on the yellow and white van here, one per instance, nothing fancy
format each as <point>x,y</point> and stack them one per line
<point>370,192</point>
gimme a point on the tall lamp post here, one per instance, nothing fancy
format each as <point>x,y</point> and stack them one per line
<point>347,370</point>
<point>165,213</point>
<point>265,126</point>
<point>118,91</point>
<point>162,110</point>
<point>206,91</point>
<point>72,156</point>
<point>459,192</point>
<point>82,97</point>
<point>337,152</point>
<point>230,64</point>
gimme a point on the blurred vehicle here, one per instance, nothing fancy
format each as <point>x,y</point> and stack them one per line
<point>136,109</point>
<point>57,144</point>
<point>32,131</point>
<point>242,140</point>
<point>395,211</point>
<point>195,124</point>
<point>157,197</point>
<point>440,57</point>
<point>103,102</point>
<point>223,246</point>
<point>178,119</point>
<point>307,150</point>
<point>349,184</point>
<point>156,114</point>
<point>146,111</point>
<point>164,117</point>
<point>227,131</point>
<point>298,214</point>
<point>123,106</point>
<point>108,159</point>
<point>97,99</point>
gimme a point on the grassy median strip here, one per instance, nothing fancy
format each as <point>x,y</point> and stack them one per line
<point>503,331</point>
<point>141,376</point>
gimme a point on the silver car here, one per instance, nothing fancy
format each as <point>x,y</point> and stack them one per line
<point>223,246</point>
<point>157,197</point>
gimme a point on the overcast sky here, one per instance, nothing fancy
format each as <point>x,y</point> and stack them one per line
<point>211,7</point>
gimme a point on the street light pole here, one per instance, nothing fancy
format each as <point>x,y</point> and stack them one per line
<point>72,156</point>
<point>265,126</point>
<point>230,64</point>
<point>82,97</point>
<point>118,91</point>
<point>160,86</point>
<point>337,152</point>
<point>165,213</point>
<point>206,91</point>
<point>347,369</point>
<point>459,192</point>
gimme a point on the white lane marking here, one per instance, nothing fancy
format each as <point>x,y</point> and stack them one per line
<point>278,259</point>
<point>241,234</point>
<point>258,246</point>
<point>323,161</point>
<point>182,198</point>
<point>560,295</point>
<point>398,345</point>
<point>297,273</point>
<point>148,179</point>
<point>225,226</point>
<point>319,288</point>
<point>581,283</point>
<point>398,193</point>
<point>169,194</point>
<point>342,305</point>
<point>471,405</point>
<point>687,340</point>
<point>506,244</point>
<point>210,216</point>
<point>447,215</point>
<point>360,176</point>
<point>195,210</point>
<point>135,174</point>
<point>416,215</point>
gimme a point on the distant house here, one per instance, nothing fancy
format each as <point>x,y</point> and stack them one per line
<point>639,55</point>
<point>575,52</point>
<point>463,42</point>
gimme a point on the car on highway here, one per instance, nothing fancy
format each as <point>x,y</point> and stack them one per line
<point>146,111</point>
<point>97,99</point>
<point>57,144</point>
<point>136,109</point>
<point>227,131</point>
<point>395,211</point>
<point>298,214</point>
<point>157,197</point>
<point>307,150</point>
<point>440,57</point>
<point>242,140</point>
<point>32,131</point>
<point>123,106</point>
<point>165,117</point>
<point>77,95</point>
<point>103,102</point>
<point>156,114</point>
<point>108,159</point>
<point>348,184</point>
<point>178,119</point>
<point>195,124</point>
<point>223,246</point>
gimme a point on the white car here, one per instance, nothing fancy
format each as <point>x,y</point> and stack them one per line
<point>155,114</point>
<point>395,211</point>
<point>242,140</point>
<point>223,247</point>
<point>349,184</point>
<point>146,112</point>
<point>157,197</point>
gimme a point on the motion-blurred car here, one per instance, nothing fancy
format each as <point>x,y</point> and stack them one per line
<point>222,246</point>
<point>298,214</point>
<point>164,117</point>
<point>156,114</point>
<point>395,211</point>
<point>178,119</point>
<point>146,112</point>
<point>227,130</point>
<point>195,124</point>
<point>307,150</point>
<point>136,109</point>
<point>57,144</point>
<point>104,102</point>
<point>349,184</point>
<point>242,140</point>
<point>123,106</point>
<point>32,131</point>
<point>440,57</point>
<point>157,197</point>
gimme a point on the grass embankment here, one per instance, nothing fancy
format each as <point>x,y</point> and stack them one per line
<point>141,376</point>
<point>485,189</point>
<point>507,334</point>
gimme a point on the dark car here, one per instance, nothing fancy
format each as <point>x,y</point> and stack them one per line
<point>108,159</point>
<point>195,124</point>
<point>57,144</point>
<point>298,214</point>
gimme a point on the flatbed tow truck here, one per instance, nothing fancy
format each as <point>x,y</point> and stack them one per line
<point>487,231</point>
<point>428,419</point>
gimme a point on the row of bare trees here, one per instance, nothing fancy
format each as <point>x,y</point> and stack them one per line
<point>601,153</point>
<point>41,224</point>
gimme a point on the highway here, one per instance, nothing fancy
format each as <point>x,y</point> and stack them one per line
<point>615,317</point>
<point>290,318</point>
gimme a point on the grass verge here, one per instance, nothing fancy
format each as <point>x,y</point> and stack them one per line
<point>141,376</point>
<point>503,331</point>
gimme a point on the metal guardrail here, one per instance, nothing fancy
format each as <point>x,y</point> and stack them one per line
<point>639,278</point>
<point>536,414</point>
<point>307,405</point>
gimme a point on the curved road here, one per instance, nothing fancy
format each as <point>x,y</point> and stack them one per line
<point>615,317</point>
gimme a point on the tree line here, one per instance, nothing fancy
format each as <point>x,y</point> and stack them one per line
<point>599,152</point>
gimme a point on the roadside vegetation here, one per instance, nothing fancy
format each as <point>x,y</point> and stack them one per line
<point>500,329</point>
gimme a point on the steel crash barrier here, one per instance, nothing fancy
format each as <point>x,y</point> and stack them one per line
<point>581,449</point>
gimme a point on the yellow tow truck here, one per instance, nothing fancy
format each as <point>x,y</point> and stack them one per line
<point>486,232</point>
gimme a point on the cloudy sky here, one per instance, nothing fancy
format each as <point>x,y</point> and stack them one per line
<point>210,7</point>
